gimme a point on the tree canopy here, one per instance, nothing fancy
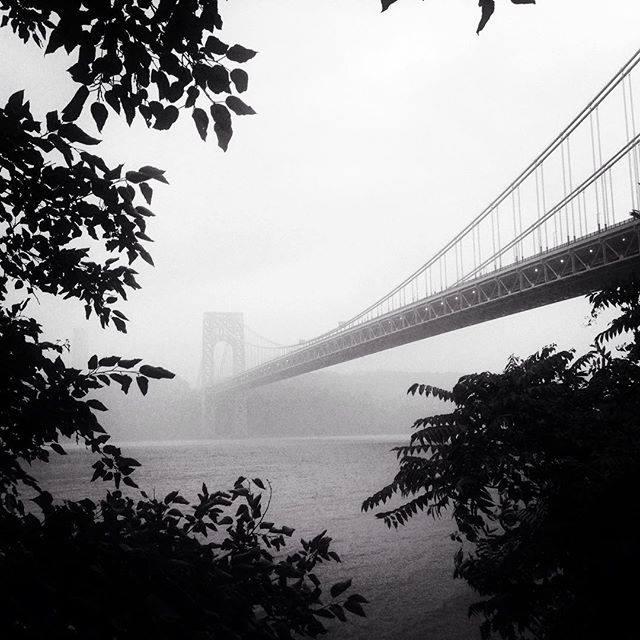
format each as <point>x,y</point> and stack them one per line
<point>538,466</point>
<point>153,59</point>
<point>71,225</point>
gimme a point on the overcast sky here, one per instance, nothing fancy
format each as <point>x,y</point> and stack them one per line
<point>378,136</point>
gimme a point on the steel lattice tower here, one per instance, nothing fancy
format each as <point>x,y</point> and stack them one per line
<point>224,414</point>
<point>220,327</point>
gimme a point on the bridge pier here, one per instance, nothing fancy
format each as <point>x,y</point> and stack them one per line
<point>224,413</point>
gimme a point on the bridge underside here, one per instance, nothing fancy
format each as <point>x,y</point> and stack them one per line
<point>572,270</point>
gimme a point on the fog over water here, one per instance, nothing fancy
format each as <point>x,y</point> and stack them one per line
<point>378,136</point>
<point>319,484</point>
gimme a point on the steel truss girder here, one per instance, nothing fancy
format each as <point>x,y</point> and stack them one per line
<point>571,270</point>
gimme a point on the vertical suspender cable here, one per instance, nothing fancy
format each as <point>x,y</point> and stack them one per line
<point>539,247</point>
<point>493,235</point>
<point>498,233</point>
<point>520,223</point>
<point>515,227</point>
<point>607,176</point>
<point>446,279</point>
<point>605,190</point>
<point>544,205</point>
<point>635,150</point>
<point>593,155</point>
<point>564,187</point>
<point>573,203</point>
<point>473,243</point>
<point>630,158</point>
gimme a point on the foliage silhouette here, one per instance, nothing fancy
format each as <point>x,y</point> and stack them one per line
<point>487,7</point>
<point>153,59</point>
<point>129,565</point>
<point>539,467</point>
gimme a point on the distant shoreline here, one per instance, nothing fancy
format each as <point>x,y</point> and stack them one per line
<point>374,437</point>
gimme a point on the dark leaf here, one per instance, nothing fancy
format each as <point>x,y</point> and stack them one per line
<point>100,114</point>
<point>238,106</point>
<point>201,119</point>
<point>167,118</point>
<point>386,4</point>
<point>73,133</point>
<point>354,607</point>
<point>222,126</point>
<point>218,79</point>
<point>356,597</point>
<point>146,256</point>
<point>147,192</point>
<point>143,384</point>
<point>58,449</point>
<point>238,53</point>
<point>127,364</point>
<point>487,7</point>
<point>215,46</point>
<point>339,587</point>
<point>143,211</point>
<point>15,101</point>
<point>73,110</point>
<point>136,177</point>
<point>155,372</point>
<point>96,404</point>
<point>240,79</point>
<point>53,121</point>
<point>152,172</point>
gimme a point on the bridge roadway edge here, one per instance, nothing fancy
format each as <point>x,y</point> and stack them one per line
<point>563,287</point>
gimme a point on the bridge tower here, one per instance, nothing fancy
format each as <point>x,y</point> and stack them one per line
<point>224,413</point>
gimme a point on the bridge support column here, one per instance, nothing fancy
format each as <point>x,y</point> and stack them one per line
<point>224,414</point>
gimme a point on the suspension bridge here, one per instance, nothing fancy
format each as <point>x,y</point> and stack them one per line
<point>559,230</point>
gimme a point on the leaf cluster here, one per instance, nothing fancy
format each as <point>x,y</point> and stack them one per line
<point>152,59</point>
<point>44,403</point>
<point>128,565</point>
<point>538,466</point>
<point>60,205</point>
<point>132,567</point>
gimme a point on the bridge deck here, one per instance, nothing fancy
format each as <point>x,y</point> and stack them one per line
<point>573,269</point>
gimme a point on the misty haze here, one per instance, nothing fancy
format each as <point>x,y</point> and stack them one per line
<point>319,319</point>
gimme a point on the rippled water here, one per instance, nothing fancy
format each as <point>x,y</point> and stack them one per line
<point>319,484</point>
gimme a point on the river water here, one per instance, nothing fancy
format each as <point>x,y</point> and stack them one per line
<point>318,483</point>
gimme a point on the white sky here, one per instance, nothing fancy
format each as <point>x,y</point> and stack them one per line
<point>378,136</point>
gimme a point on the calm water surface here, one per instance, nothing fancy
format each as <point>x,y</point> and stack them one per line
<point>318,484</point>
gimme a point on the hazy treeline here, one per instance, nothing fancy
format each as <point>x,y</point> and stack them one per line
<point>317,404</point>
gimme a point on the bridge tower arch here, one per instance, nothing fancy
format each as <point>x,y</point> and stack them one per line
<point>224,413</point>
<point>217,328</point>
